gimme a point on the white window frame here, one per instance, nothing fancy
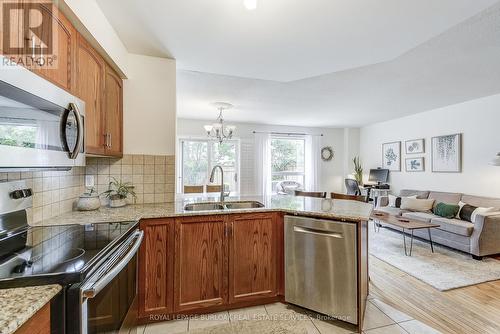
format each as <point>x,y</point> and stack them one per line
<point>303,174</point>
<point>180,169</point>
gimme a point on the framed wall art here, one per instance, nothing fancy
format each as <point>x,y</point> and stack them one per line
<point>447,153</point>
<point>391,156</point>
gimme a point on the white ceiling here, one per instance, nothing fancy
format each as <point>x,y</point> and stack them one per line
<point>326,63</point>
<point>283,40</point>
<point>459,65</point>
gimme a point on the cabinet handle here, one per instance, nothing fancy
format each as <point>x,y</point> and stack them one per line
<point>107,140</point>
<point>110,141</point>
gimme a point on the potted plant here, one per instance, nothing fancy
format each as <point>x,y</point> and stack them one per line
<point>89,200</point>
<point>358,170</point>
<point>118,192</point>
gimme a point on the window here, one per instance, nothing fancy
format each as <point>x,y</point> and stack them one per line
<point>287,160</point>
<point>198,157</point>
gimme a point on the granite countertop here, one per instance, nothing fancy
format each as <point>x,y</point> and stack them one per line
<point>343,210</point>
<point>18,305</point>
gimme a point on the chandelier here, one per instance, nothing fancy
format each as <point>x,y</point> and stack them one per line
<point>218,130</point>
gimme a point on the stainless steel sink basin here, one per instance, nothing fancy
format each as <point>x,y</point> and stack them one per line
<point>219,206</point>
<point>244,205</point>
<point>203,207</point>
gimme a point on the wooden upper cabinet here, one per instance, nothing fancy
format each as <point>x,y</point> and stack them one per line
<point>200,263</point>
<point>58,68</point>
<point>13,33</point>
<point>90,71</point>
<point>113,112</point>
<point>156,265</point>
<point>253,257</point>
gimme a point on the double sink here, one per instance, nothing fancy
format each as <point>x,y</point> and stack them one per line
<point>223,206</point>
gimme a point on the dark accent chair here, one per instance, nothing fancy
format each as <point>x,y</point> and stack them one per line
<point>316,194</point>
<point>358,198</point>
<point>352,187</point>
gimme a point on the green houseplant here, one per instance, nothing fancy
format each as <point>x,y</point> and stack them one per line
<point>118,191</point>
<point>358,170</point>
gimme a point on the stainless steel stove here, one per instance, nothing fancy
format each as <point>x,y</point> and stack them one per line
<point>88,260</point>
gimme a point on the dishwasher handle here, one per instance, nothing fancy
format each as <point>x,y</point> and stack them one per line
<point>308,230</point>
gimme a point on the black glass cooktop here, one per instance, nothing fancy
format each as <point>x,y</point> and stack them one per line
<point>61,254</point>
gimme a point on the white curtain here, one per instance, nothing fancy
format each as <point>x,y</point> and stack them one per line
<point>312,163</point>
<point>263,163</point>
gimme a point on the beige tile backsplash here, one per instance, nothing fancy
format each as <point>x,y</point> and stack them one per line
<point>56,192</point>
<point>152,175</point>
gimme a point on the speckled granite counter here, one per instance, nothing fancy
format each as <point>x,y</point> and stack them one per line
<point>303,206</point>
<point>18,305</point>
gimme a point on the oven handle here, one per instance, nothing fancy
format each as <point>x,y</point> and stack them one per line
<point>73,155</point>
<point>94,290</point>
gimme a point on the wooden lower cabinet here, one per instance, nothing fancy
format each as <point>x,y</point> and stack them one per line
<point>210,263</point>
<point>200,262</point>
<point>253,257</point>
<point>39,323</point>
<point>156,264</point>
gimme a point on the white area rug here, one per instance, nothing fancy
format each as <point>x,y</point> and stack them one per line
<point>444,269</point>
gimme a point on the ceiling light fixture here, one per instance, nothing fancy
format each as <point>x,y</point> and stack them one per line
<point>250,4</point>
<point>219,130</point>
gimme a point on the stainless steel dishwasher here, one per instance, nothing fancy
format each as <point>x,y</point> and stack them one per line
<point>321,266</point>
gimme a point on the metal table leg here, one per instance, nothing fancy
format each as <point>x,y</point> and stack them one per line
<point>411,242</point>
<point>430,239</point>
<point>404,242</point>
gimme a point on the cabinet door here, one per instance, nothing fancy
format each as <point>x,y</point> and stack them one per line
<point>55,28</point>
<point>252,257</point>
<point>156,265</point>
<point>12,42</point>
<point>90,69</point>
<point>200,263</point>
<point>113,111</point>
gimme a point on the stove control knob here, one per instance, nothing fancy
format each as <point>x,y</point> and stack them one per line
<point>21,193</point>
<point>17,194</point>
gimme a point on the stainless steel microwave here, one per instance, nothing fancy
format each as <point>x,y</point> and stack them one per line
<point>41,125</point>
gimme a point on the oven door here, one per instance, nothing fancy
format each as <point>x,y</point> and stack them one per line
<point>107,295</point>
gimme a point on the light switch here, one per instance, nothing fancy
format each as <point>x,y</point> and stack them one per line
<point>89,181</point>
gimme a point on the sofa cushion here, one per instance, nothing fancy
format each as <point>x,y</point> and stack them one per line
<point>415,204</point>
<point>442,197</point>
<point>446,210</point>
<point>410,192</point>
<point>456,226</point>
<point>479,201</point>
<point>425,217</point>
<point>390,210</point>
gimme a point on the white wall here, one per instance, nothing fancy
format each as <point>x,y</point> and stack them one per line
<point>149,108</point>
<point>479,122</point>
<point>331,174</point>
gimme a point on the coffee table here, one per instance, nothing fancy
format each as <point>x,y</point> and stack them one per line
<point>382,218</point>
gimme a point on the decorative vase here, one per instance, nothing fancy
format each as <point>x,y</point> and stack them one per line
<point>117,202</point>
<point>88,203</point>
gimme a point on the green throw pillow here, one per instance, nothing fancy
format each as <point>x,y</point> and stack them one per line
<point>446,210</point>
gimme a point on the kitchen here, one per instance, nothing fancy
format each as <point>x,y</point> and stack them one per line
<point>88,119</point>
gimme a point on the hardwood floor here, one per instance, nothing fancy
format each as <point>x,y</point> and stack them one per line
<point>468,310</point>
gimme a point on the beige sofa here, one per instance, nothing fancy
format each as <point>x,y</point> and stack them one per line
<point>479,238</point>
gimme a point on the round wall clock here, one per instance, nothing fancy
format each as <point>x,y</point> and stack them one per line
<point>327,153</point>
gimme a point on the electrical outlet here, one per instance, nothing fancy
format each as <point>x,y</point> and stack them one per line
<point>89,181</point>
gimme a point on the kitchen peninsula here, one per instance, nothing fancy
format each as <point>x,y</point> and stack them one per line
<point>194,262</point>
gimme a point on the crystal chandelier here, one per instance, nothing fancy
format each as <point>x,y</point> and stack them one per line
<point>220,131</point>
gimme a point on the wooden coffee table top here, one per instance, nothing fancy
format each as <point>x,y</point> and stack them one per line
<point>402,222</point>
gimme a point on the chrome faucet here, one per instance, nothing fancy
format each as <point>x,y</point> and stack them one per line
<point>212,178</point>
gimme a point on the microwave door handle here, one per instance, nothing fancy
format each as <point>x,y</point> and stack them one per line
<point>92,291</point>
<point>79,139</point>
